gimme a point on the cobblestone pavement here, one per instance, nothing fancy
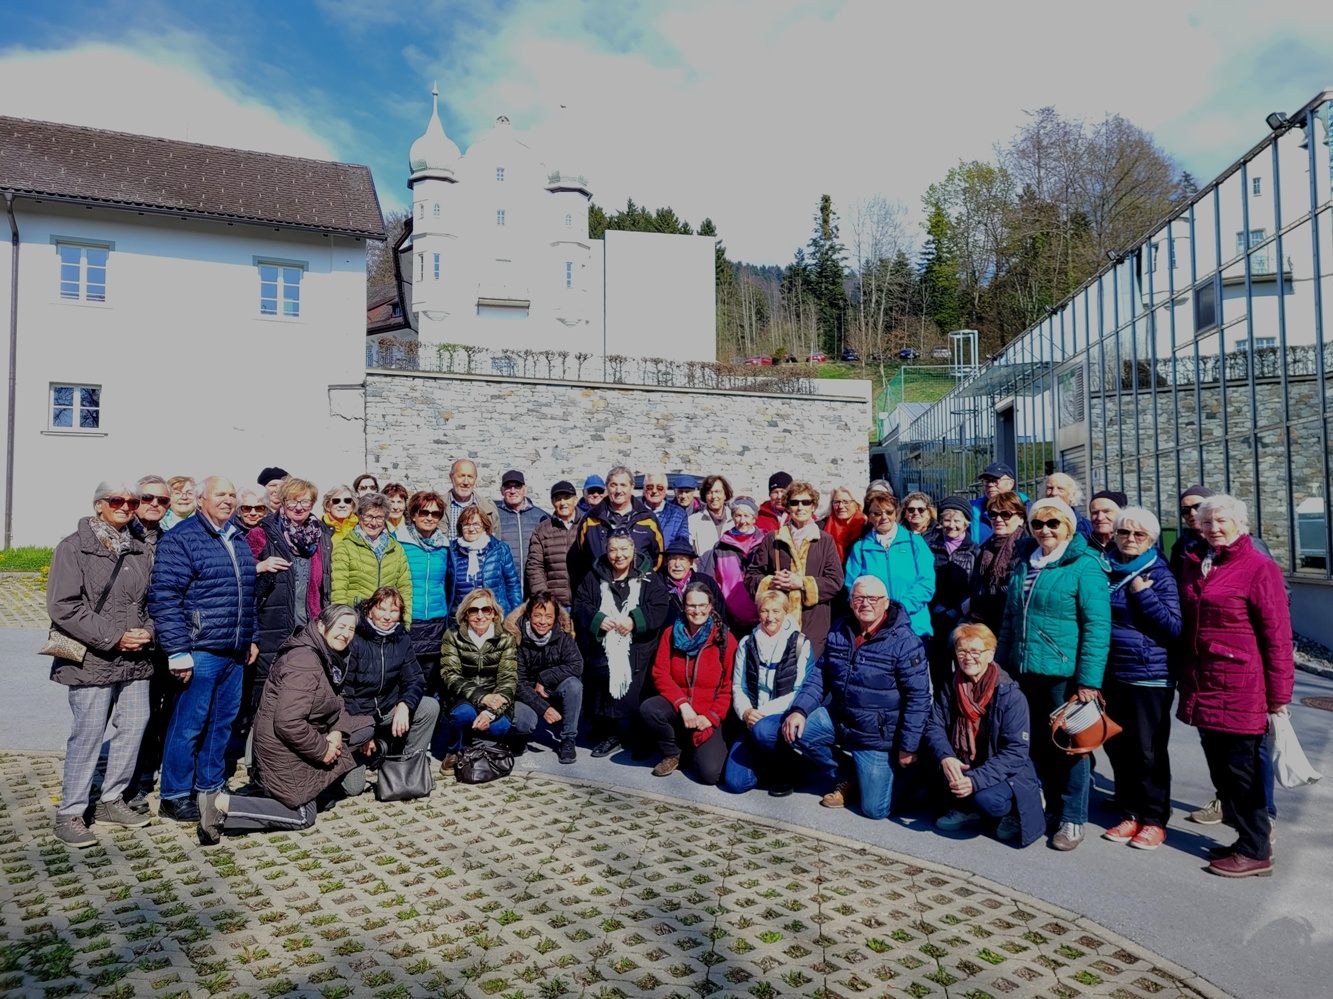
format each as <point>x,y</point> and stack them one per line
<point>23,600</point>
<point>535,886</point>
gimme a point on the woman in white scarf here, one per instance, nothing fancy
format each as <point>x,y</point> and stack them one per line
<point>619,611</point>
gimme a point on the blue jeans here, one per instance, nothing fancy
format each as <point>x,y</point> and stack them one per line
<point>874,772</point>
<point>567,698</point>
<point>459,724</point>
<point>193,756</point>
<point>755,750</point>
<point>1065,779</point>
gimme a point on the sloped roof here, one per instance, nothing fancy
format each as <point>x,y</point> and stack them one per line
<point>95,166</point>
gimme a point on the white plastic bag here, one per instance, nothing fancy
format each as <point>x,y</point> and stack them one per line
<point>1290,766</point>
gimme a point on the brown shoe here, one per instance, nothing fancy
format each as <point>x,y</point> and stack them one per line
<point>1239,866</point>
<point>839,796</point>
<point>448,765</point>
<point>668,766</point>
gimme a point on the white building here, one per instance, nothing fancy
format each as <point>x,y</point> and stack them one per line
<point>497,254</point>
<point>175,308</point>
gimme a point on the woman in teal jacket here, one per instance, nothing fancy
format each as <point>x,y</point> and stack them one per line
<point>426,545</point>
<point>1054,640</point>
<point>898,557</point>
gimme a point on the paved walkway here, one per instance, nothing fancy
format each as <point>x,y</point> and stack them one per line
<point>23,600</point>
<point>535,887</point>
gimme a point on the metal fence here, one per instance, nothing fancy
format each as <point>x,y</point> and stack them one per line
<point>1189,358</point>
<point>563,365</point>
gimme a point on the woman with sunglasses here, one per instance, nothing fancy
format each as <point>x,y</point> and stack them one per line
<point>1140,678</point>
<point>96,594</point>
<point>478,675</point>
<point>478,559</point>
<point>989,585</point>
<point>919,514</point>
<point>293,554</point>
<point>154,502</point>
<point>1054,641</point>
<point>340,511</point>
<point>425,542</point>
<point>800,560</point>
<point>899,558</point>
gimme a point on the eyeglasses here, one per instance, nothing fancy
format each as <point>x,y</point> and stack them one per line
<point>342,501</point>
<point>800,502</point>
<point>116,502</point>
<point>972,654</point>
<point>372,518</point>
<point>917,509</point>
<point>698,607</point>
<point>883,511</point>
<point>488,611</point>
<point>867,600</point>
<point>298,504</point>
<point>1122,532</point>
<point>254,509</point>
<point>432,514</point>
<point>1050,525</point>
<point>148,499</point>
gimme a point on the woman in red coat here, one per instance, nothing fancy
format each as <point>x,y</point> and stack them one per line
<point>1237,670</point>
<point>692,673</point>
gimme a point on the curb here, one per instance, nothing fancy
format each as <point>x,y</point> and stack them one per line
<point>1187,979</point>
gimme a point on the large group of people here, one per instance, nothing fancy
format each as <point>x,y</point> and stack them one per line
<point>886,652</point>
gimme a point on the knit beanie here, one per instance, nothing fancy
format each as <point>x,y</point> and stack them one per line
<point>958,503</point>
<point>746,502</point>
<point>1203,492</point>
<point>778,480</point>
<point>1118,498</point>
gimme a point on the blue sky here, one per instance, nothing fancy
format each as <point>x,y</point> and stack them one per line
<point>742,110</point>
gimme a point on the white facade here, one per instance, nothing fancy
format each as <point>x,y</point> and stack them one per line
<point>200,366</point>
<point>499,256</point>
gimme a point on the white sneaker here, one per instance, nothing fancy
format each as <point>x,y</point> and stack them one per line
<point>1068,836</point>
<point>956,819</point>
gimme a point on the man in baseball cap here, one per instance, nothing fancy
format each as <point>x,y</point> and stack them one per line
<point>594,491</point>
<point>519,516</point>
<point>996,478</point>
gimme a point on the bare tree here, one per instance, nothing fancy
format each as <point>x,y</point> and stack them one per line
<point>877,235</point>
<point>379,256</point>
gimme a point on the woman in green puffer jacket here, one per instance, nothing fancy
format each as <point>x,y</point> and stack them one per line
<point>1054,641</point>
<point>478,676</point>
<point>369,557</point>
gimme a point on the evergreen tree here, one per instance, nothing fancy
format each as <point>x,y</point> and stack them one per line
<point>938,274</point>
<point>827,280</point>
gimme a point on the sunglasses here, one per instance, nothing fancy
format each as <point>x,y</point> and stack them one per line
<point>1004,514</point>
<point>1048,524</point>
<point>436,514</point>
<point>594,492</point>
<point>147,499</point>
<point>916,509</point>
<point>488,611</point>
<point>342,501</point>
<point>800,502</point>
<point>116,502</point>
<point>254,509</point>
<point>1185,511</point>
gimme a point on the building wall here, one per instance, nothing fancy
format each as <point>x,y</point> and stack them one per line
<point>418,423</point>
<point>194,380</point>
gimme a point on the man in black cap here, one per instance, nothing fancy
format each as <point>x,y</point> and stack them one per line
<point>1103,509</point>
<point>547,565</point>
<point>272,479</point>
<point>519,516</point>
<point>996,478</point>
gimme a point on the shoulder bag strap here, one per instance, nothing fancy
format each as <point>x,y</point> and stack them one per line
<point>106,591</point>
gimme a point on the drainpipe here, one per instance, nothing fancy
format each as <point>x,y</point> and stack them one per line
<point>13,364</point>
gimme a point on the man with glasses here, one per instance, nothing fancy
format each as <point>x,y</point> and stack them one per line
<point>996,478</point>
<point>594,491</point>
<point>154,501</point>
<point>869,693</point>
<point>462,494</point>
<point>671,517</point>
<point>202,603</point>
<point>519,516</point>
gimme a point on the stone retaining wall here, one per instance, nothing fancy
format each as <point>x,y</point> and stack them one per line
<point>417,423</point>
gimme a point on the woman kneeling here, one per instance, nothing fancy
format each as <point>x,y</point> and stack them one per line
<point>978,731</point>
<point>478,675</point>
<point>302,734</point>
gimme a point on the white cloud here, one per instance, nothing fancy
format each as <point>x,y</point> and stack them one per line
<point>159,88</point>
<point>748,111</point>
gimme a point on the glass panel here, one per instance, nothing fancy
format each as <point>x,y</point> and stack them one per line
<point>70,254</point>
<point>96,256</point>
<point>291,292</point>
<point>62,395</point>
<point>291,308</point>
<point>96,293</point>
<point>292,275</point>
<point>268,306</point>
<point>267,272</point>
<point>88,419</point>
<point>90,396</point>
<point>69,289</point>
<point>1273,519</point>
<point>96,275</point>
<point>1240,414</point>
<point>1241,485</point>
<point>69,272</point>
<point>62,416</point>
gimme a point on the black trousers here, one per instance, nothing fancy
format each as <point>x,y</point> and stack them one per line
<point>1138,755</point>
<point>664,724</point>
<point>163,689</point>
<point>1234,765</point>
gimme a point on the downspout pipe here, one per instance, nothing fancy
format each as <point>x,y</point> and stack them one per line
<point>13,366</point>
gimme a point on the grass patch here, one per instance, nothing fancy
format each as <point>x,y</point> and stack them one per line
<point>26,559</point>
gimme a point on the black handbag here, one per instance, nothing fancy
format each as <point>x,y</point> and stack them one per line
<point>402,778</point>
<point>483,762</point>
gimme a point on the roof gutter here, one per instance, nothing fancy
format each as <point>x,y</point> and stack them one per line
<point>13,364</point>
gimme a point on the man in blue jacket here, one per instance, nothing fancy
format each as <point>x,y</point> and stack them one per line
<point>671,516</point>
<point>202,602</point>
<point>996,478</point>
<point>870,693</point>
<point>519,518</point>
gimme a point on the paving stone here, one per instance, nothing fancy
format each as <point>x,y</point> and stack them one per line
<point>23,600</point>
<point>535,887</point>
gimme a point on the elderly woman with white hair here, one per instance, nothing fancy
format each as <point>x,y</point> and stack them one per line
<point>1140,678</point>
<point>1236,670</point>
<point>1066,487</point>
<point>1054,640</point>
<point>100,637</point>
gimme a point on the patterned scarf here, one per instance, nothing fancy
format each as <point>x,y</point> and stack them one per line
<point>685,643</point>
<point>971,698</point>
<point>997,554</point>
<point>112,539</point>
<point>302,538</point>
<point>379,545</point>
<point>440,539</point>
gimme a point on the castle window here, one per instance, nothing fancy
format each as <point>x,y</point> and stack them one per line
<point>569,273</point>
<point>499,173</point>
<point>569,221</point>
<point>436,210</point>
<point>437,267</point>
<point>499,216</point>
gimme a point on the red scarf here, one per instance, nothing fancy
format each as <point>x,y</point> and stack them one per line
<point>971,698</point>
<point>845,534</point>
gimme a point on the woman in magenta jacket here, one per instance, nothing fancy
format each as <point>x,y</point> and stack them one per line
<point>1236,670</point>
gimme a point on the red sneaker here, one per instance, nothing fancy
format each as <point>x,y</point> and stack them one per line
<point>1124,832</point>
<point>1148,838</point>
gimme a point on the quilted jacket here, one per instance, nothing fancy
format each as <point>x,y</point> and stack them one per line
<point>495,571</point>
<point>469,673</point>
<point>357,573</point>
<point>203,591</point>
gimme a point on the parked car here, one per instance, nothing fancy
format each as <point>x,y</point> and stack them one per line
<point>818,357</point>
<point>850,355</point>
<point>758,360</point>
<point>907,354</point>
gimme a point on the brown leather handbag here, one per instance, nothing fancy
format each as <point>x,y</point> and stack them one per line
<point>1079,727</point>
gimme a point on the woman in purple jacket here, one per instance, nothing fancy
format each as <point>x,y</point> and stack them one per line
<point>1236,670</point>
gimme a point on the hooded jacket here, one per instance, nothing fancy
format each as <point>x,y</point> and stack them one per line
<point>357,573</point>
<point>81,567</point>
<point>877,690</point>
<point>596,528</point>
<point>297,711</point>
<point>1145,626</point>
<point>382,671</point>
